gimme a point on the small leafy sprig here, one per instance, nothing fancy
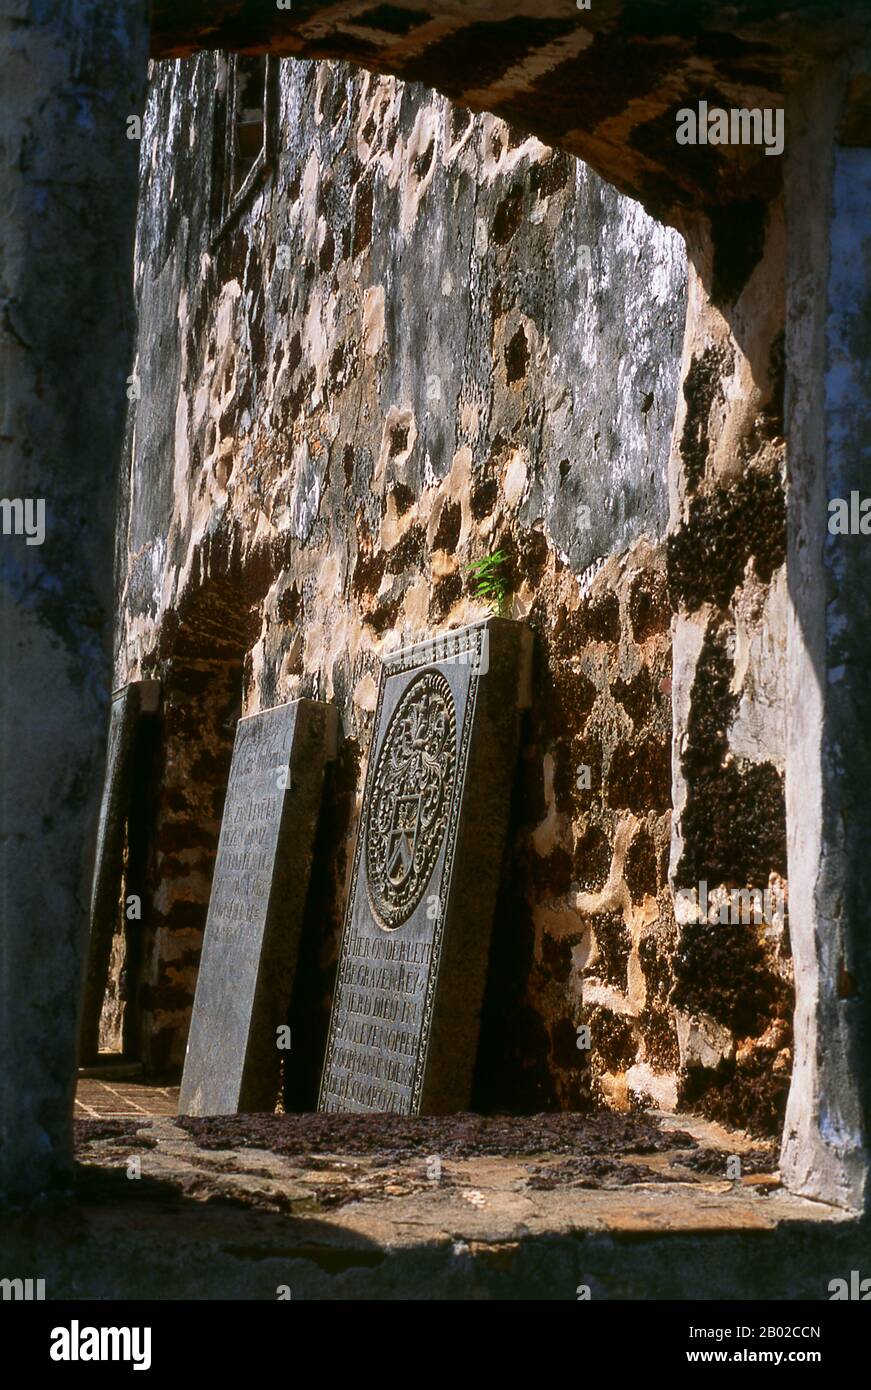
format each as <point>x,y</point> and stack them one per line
<point>490,584</point>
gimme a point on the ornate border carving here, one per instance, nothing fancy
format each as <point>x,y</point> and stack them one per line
<point>406,819</point>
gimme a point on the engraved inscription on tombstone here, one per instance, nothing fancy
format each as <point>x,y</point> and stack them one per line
<point>255,913</point>
<point>128,706</point>
<point>413,959</point>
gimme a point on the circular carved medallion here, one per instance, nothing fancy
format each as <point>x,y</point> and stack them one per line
<point>411,797</point>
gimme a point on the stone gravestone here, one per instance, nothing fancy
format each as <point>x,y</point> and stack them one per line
<point>413,960</point>
<point>255,913</point>
<point>128,706</point>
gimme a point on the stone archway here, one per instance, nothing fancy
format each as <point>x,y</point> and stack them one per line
<point>729,463</point>
<point>734,232</point>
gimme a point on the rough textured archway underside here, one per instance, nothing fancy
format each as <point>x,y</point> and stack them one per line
<point>603,84</point>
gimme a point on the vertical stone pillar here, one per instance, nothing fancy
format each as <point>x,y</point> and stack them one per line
<point>68,171</point>
<point>828,203</point>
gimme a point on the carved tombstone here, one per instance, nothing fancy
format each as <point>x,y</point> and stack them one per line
<point>413,959</point>
<point>128,706</point>
<point>255,913</point>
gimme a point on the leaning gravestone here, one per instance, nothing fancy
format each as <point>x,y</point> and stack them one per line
<point>255,913</point>
<point>128,706</point>
<point>413,959</point>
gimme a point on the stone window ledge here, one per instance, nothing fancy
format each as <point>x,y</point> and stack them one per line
<point>355,1207</point>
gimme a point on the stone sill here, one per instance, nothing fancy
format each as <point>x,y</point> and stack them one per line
<point>342,1214</point>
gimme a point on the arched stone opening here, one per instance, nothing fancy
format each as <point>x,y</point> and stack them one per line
<point>820,35</point>
<point>726,485</point>
<point>728,462</point>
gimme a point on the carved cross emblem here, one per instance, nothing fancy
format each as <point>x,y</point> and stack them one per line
<point>410,798</point>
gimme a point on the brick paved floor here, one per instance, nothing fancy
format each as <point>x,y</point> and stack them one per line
<point>100,1100</point>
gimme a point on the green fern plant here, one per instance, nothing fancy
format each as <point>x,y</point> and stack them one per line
<point>490,583</point>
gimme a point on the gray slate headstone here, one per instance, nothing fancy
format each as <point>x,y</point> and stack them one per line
<point>255,913</point>
<point>128,705</point>
<point>413,960</point>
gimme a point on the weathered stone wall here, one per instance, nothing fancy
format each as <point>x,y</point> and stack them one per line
<point>424,339</point>
<point>732,992</point>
